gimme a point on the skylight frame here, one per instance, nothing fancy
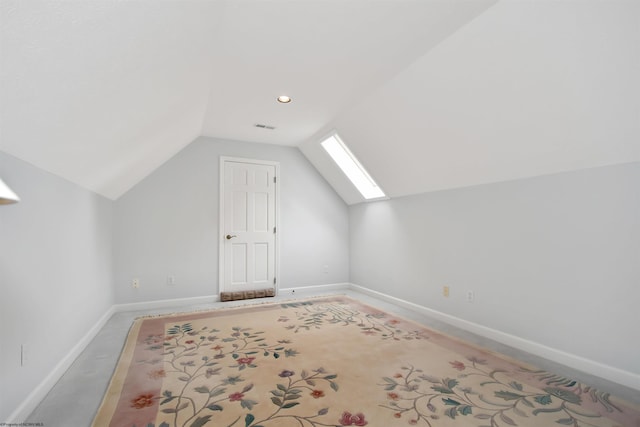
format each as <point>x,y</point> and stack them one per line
<point>349,164</point>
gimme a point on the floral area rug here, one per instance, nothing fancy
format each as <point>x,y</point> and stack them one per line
<point>332,362</point>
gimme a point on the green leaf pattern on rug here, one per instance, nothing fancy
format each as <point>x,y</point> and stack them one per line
<point>207,354</point>
<point>288,395</point>
<point>197,355</point>
<point>424,399</point>
<point>314,316</point>
<point>595,395</point>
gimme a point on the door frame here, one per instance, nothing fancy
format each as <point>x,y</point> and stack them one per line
<point>221,224</point>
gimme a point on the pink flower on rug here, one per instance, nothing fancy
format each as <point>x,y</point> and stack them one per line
<point>458,365</point>
<point>245,360</point>
<point>393,396</point>
<point>142,401</point>
<point>348,419</point>
<point>157,374</point>
<point>316,394</point>
<point>189,342</point>
<point>235,397</point>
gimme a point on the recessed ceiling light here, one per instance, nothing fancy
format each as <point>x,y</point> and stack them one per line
<point>284,99</point>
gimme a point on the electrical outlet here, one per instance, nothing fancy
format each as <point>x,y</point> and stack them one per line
<point>445,291</point>
<point>470,296</point>
<point>135,283</point>
<point>171,280</point>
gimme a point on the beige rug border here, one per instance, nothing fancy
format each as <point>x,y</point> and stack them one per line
<point>116,383</point>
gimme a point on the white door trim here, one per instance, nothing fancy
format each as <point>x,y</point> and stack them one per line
<point>221,231</point>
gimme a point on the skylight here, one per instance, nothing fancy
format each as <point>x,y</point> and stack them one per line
<point>351,167</point>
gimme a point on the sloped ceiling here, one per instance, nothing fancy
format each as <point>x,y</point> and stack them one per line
<point>526,89</point>
<point>429,94</point>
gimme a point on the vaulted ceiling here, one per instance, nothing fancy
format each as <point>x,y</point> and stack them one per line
<point>429,94</point>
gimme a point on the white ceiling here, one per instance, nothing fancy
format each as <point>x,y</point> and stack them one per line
<point>429,94</point>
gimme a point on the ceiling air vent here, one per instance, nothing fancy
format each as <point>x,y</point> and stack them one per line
<point>261,126</point>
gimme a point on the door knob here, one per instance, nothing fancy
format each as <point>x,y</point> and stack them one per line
<point>230,236</point>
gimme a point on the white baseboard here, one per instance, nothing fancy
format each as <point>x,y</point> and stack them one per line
<point>34,398</point>
<point>592,367</point>
<point>313,289</point>
<point>165,303</point>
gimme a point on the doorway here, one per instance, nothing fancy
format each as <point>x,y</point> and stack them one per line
<point>248,224</point>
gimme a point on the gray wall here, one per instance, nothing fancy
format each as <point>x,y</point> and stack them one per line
<point>554,259</point>
<point>168,224</point>
<point>55,274</point>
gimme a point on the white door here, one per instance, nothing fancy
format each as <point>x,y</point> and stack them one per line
<point>248,209</point>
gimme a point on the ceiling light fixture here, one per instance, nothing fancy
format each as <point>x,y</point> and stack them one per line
<point>284,99</point>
